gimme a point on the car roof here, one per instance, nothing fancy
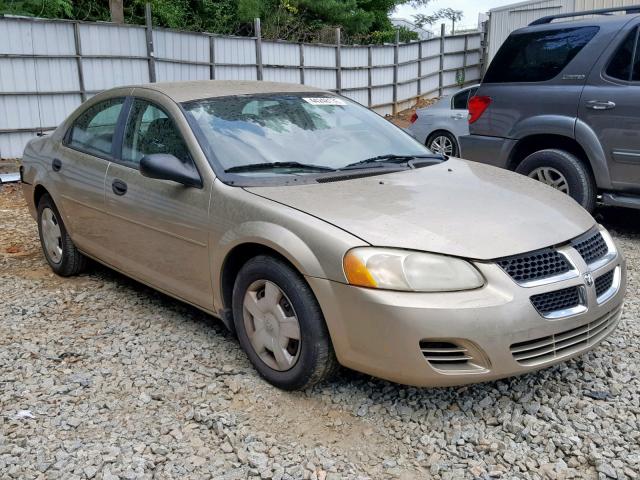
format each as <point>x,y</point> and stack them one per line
<point>194,90</point>
<point>609,21</point>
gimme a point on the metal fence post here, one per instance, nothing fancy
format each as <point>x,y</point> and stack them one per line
<point>396,56</point>
<point>370,65</point>
<point>464,59</point>
<point>149,32</point>
<point>441,73</point>
<point>301,55</point>
<point>418,86</point>
<point>258,33</point>
<point>212,58</point>
<point>76,37</point>
<point>338,62</point>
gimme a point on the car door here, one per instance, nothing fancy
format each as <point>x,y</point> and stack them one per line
<point>159,227</point>
<point>79,168</point>
<point>460,111</point>
<point>610,105</point>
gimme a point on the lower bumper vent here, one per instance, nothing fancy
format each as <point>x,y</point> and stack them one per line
<point>541,350</point>
<point>452,357</point>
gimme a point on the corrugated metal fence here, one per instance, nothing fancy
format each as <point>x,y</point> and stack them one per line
<point>48,67</point>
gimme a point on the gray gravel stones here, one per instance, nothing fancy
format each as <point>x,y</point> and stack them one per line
<point>121,382</point>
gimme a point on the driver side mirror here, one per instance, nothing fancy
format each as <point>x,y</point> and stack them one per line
<point>165,166</point>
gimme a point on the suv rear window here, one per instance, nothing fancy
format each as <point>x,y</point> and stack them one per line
<point>537,56</point>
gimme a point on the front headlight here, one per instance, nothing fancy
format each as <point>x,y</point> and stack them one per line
<point>391,269</point>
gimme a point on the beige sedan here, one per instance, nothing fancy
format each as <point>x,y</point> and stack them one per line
<point>321,234</point>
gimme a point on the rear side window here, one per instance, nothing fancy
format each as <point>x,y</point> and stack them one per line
<point>460,100</point>
<point>537,56</point>
<point>625,62</point>
<point>93,131</point>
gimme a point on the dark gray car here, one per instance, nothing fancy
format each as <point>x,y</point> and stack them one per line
<point>560,103</point>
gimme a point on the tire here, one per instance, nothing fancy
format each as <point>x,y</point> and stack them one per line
<point>66,261</point>
<point>578,179</point>
<point>308,361</point>
<point>442,137</point>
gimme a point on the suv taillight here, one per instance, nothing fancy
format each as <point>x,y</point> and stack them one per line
<point>414,117</point>
<point>477,105</point>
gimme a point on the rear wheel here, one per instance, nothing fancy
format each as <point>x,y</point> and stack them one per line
<point>444,143</point>
<point>59,250</point>
<point>280,325</point>
<point>562,171</point>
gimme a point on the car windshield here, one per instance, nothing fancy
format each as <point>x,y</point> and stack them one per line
<point>295,133</point>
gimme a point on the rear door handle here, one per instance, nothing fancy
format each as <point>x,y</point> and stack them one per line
<point>119,187</point>
<point>458,116</point>
<point>600,105</point>
<point>56,165</point>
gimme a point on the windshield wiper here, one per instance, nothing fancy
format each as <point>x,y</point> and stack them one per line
<point>256,167</point>
<point>387,159</point>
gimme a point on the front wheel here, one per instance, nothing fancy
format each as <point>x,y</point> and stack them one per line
<point>444,143</point>
<point>280,325</point>
<point>562,171</point>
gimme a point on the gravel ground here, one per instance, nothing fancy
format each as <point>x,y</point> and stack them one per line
<point>101,377</point>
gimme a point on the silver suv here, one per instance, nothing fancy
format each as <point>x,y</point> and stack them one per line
<point>560,103</point>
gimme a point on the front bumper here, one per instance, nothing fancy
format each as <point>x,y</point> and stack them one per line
<point>380,332</point>
<point>490,150</point>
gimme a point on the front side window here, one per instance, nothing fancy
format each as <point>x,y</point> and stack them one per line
<point>150,130</point>
<point>537,56</point>
<point>625,63</point>
<point>313,129</point>
<point>93,130</point>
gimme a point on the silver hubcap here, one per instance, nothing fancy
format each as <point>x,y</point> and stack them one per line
<point>51,235</point>
<point>552,177</point>
<point>442,145</point>
<point>272,325</point>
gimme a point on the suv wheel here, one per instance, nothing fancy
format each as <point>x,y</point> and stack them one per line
<point>562,171</point>
<point>280,325</point>
<point>59,250</point>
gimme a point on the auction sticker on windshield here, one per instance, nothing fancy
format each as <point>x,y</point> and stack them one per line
<point>325,101</point>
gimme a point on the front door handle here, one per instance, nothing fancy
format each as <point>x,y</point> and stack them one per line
<point>600,105</point>
<point>119,187</point>
<point>56,165</point>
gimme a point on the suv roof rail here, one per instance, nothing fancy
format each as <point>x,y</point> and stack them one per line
<point>602,11</point>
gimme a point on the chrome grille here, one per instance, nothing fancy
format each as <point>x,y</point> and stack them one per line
<point>535,265</point>
<point>591,248</point>
<point>603,283</point>
<point>545,349</point>
<point>548,302</point>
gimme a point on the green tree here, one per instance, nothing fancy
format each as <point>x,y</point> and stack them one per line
<point>362,21</point>
<point>443,14</point>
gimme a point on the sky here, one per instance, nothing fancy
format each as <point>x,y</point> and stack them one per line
<point>471,9</point>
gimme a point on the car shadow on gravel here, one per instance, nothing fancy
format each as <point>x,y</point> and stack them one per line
<point>163,301</point>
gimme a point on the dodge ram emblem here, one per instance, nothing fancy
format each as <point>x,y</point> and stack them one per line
<point>588,279</point>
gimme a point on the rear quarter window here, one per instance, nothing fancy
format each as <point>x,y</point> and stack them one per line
<point>537,56</point>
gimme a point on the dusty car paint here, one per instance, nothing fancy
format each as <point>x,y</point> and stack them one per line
<point>177,239</point>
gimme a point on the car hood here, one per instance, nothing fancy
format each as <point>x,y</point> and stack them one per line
<point>458,208</point>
